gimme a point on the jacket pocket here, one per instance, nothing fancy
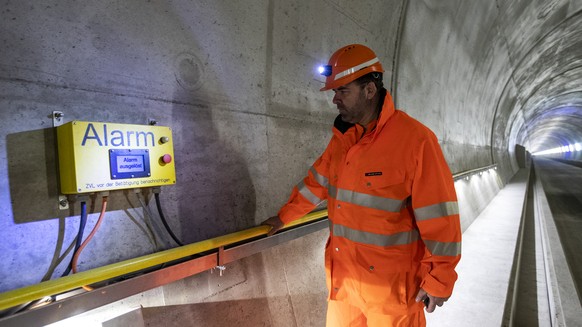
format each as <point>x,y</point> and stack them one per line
<point>380,260</point>
<point>392,186</point>
<point>383,276</point>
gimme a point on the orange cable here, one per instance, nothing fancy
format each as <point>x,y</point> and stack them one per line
<point>95,228</point>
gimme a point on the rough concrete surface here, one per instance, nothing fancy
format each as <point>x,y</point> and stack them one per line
<point>236,82</point>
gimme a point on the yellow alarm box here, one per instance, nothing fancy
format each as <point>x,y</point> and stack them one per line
<point>97,156</point>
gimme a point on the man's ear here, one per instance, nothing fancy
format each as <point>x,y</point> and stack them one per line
<point>371,90</point>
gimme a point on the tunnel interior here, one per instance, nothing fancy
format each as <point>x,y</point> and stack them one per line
<point>237,84</point>
<point>548,78</point>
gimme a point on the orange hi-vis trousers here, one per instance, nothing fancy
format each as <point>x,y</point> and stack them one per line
<point>341,314</point>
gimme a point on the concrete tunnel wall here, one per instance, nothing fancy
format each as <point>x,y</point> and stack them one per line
<point>236,81</point>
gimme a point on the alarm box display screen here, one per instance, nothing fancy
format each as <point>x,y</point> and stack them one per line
<point>130,163</point>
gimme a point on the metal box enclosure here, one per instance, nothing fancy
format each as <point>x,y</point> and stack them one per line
<point>96,156</point>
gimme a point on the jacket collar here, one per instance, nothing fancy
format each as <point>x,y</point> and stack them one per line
<point>387,110</point>
<point>386,105</point>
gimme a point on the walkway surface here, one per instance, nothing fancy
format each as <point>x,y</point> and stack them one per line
<point>487,258</point>
<point>563,188</point>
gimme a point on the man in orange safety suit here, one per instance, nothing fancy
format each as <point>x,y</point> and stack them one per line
<point>395,235</point>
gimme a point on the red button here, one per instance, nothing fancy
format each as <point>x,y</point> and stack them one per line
<point>167,158</point>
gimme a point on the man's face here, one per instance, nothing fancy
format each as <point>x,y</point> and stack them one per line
<point>350,100</point>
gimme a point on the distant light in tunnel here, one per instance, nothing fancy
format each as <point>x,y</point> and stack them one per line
<point>561,149</point>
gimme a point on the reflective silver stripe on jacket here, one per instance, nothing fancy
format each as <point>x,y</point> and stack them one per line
<point>443,248</point>
<point>437,210</point>
<point>306,192</point>
<point>366,200</point>
<point>373,238</point>
<point>322,180</point>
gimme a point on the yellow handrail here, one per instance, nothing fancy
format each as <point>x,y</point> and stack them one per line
<point>57,286</point>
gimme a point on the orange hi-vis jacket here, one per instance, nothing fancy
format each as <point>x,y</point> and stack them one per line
<point>392,207</point>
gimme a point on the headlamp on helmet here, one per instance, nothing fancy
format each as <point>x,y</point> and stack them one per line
<point>325,70</point>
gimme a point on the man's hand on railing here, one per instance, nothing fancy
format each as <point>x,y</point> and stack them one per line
<point>275,223</point>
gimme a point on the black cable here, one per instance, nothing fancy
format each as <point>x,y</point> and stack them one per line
<point>157,195</point>
<point>148,221</point>
<point>79,239</point>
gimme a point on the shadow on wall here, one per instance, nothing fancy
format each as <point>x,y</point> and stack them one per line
<point>214,191</point>
<point>32,176</point>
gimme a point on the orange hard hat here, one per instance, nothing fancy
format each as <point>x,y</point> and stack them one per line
<point>348,64</point>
